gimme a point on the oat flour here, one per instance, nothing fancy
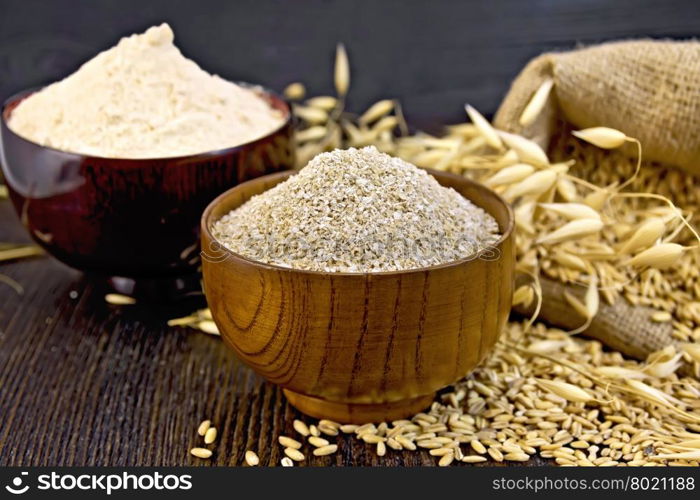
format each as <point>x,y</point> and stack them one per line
<point>143,99</point>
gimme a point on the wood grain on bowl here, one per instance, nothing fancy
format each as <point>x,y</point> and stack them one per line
<point>358,347</point>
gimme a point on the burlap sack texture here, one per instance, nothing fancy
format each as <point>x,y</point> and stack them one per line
<point>649,90</point>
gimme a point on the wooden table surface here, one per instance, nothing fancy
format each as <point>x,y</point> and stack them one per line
<point>86,383</point>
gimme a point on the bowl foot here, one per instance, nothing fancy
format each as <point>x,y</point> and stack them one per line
<point>158,290</point>
<point>351,413</point>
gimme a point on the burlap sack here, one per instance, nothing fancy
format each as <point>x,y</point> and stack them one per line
<point>647,89</point>
<point>622,327</point>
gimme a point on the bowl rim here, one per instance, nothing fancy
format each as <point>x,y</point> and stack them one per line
<point>17,97</point>
<point>505,234</point>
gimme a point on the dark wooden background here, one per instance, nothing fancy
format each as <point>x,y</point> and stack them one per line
<point>433,54</point>
<point>85,383</point>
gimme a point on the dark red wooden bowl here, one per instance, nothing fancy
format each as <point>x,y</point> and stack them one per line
<point>132,218</point>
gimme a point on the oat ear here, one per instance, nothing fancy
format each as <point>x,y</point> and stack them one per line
<point>522,92</point>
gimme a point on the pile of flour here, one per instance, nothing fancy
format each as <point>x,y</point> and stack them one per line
<point>143,99</point>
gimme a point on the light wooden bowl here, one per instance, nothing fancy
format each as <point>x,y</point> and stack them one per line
<point>360,347</point>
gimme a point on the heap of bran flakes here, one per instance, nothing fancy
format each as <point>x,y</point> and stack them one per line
<point>357,210</point>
